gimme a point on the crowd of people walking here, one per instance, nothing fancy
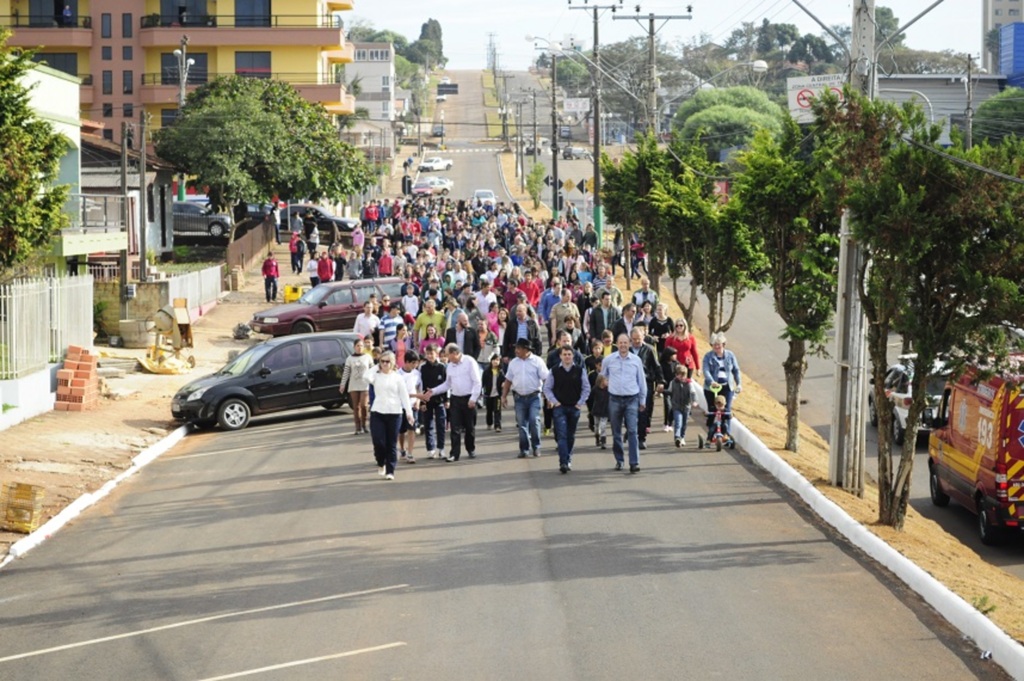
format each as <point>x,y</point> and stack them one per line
<point>485,291</point>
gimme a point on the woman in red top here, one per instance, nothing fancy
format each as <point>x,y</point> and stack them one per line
<point>685,345</point>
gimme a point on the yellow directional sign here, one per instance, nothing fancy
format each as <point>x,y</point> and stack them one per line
<point>590,185</point>
<point>568,184</point>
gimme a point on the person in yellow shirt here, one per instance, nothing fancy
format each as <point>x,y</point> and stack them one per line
<point>430,315</point>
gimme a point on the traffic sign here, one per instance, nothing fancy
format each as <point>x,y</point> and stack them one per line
<point>590,185</point>
<point>447,88</point>
<point>547,181</point>
<point>802,92</point>
<point>582,186</point>
<point>569,185</point>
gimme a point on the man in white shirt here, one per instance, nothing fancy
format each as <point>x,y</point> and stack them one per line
<point>367,323</point>
<point>525,378</point>
<point>463,380</point>
<point>485,297</point>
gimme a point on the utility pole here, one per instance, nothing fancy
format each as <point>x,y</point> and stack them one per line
<point>595,112</point>
<point>143,208</point>
<point>554,136</point>
<point>123,253</point>
<point>533,94</point>
<point>969,113</point>
<point>653,119</point>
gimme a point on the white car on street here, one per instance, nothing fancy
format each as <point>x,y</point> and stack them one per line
<point>435,163</point>
<point>484,197</point>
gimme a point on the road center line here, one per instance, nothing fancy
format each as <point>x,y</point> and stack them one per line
<point>308,660</point>
<point>201,620</point>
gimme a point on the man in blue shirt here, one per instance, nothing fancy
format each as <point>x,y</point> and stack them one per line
<point>627,396</point>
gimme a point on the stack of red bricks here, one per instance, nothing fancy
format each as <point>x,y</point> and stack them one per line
<point>78,386</point>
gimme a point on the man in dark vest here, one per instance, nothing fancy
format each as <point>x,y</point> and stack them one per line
<point>566,389</point>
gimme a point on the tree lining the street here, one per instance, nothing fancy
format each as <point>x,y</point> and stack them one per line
<point>944,254</point>
<point>245,139</point>
<point>31,215</point>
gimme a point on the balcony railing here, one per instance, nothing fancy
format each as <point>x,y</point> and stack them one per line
<point>241,21</point>
<point>86,78</point>
<point>88,212</point>
<point>44,21</point>
<point>171,77</point>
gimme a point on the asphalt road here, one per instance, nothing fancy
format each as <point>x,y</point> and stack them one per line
<point>280,545</point>
<point>277,552</point>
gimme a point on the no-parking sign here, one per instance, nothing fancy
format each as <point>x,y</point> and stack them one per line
<point>802,92</point>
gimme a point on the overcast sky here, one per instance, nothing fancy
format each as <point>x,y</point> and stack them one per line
<point>466,24</point>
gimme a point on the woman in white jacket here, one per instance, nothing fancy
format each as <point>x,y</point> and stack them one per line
<point>390,402</point>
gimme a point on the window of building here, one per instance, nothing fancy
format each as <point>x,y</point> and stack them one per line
<point>106,53</point>
<point>108,134</point>
<point>1013,12</point>
<point>252,12</point>
<point>360,55</point>
<point>127,81</point>
<point>49,13</point>
<point>108,82</point>
<point>385,82</point>
<point>126,25</point>
<point>126,53</point>
<point>184,12</point>
<point>108,110</point>
<point>106,29</point>
<point>62,61</point>
<point>252,64</point>
<point>198,73</point>
<point>385,107</point>
<point>168,117</point>
<point>379,55</point>
<point>128,110</point>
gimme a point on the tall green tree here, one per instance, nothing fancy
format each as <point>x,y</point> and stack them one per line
<point>1000,116</point>
<point>30,214</point>
<point>944,246</point>
<point>248,138</point>
<point>780,198</point>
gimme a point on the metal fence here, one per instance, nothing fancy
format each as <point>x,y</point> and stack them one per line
<point>199,288</point>
<point>39,318</point>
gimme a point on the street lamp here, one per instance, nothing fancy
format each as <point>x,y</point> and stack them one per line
<point>184,64</point>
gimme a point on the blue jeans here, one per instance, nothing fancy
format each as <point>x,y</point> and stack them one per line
<point>679,418</point>
<point>566,418</point>
<point>528,422</point>
<point>434,420</point>
<point>624,408</point>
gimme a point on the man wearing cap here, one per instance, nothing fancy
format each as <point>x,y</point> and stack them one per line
<point>463,380</point>
<point>525,378</point>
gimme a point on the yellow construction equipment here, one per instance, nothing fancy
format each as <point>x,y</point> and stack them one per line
<point>171,352</point>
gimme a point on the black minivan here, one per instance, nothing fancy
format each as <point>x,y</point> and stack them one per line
<point>280,374</point>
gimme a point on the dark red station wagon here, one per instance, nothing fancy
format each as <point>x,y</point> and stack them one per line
<point>333,306</point>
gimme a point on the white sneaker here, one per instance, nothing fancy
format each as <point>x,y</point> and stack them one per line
<point>382,471</point>
<point>449,458</point>
<point>667,429</point>
<point>432,454</point>
<point>389,476</point>
<point>682,442</point>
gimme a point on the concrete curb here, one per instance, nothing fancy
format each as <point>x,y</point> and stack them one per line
<point>1005,651</point>
<point>70,512</point>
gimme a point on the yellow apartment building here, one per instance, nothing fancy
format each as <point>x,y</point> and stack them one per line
<point>134,54</point>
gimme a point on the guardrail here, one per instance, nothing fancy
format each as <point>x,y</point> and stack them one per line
<point>44,21</point>
<point>240,21</point>
<point>170,77</point>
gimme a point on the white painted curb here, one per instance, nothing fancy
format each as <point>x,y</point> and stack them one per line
<point>48,529</point>
<point>986,635</point>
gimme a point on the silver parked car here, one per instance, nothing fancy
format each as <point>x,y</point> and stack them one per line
<point>191,218</point>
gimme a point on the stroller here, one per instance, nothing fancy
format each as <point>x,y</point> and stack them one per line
<point>718,424</point>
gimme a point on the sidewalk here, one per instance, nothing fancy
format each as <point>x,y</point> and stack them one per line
<point>74,453</point>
